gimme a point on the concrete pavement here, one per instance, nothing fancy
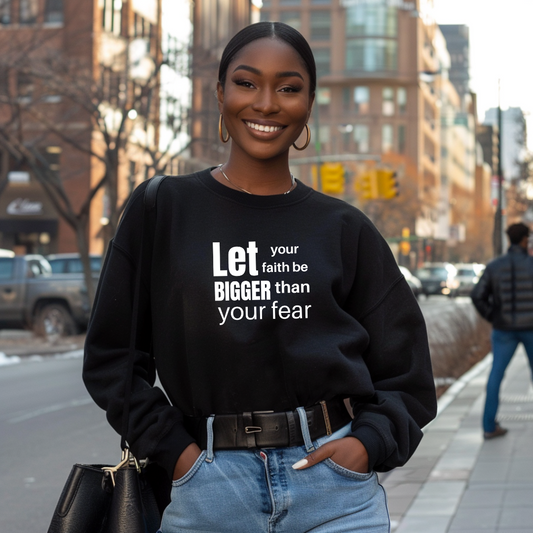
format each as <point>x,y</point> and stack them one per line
<point>456,482</point>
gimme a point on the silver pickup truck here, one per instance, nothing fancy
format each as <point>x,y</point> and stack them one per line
<point>32,298</point>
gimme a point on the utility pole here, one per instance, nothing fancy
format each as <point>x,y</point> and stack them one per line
<point>498,230</point>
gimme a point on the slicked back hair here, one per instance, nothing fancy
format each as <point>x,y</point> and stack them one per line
<point>269,30</point>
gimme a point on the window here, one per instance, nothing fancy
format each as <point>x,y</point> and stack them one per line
<point>371,55</point>
<point>323,96</point>
<point>361,96</point>
<point>28,11</point>
<point>289,2</point>
<point>376,20</point>
<point>25,87</point>
<point>401,98</point>
<point>401,139</point>
<point>4,81</point>
<point>112,16</point>
<point>387,137</point>
<point>6,268</point>
<point>5,11</point>
<point>53,11</point>
<point>387,106</point>
<point>322,60</point>
<point>320,25</point>
<point>320,2</point>
<point>292,18</point>
<point>361,135</point>
<point>346,98</point>
<point>52,155</point>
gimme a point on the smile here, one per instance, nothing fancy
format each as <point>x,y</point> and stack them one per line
<point>260,127</point>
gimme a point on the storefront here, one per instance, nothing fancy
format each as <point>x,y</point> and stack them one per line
<point>28,220</point>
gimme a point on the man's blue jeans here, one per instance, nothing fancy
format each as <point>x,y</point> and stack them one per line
<point>257,491</point>
<point>504,344</point>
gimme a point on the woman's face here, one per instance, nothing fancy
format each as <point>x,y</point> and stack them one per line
<point>266,101</point>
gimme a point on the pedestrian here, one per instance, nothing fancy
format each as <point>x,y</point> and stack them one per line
<point>267,306</point>
<point>504,297</point>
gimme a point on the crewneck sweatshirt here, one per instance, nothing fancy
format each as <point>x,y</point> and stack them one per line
<point>254,303</point>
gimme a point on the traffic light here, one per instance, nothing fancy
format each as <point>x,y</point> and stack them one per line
<point>367,185</point>
<point>332,178</point>
<point>387,183</point>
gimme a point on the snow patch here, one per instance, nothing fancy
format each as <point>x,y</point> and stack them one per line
<point>11,360</point>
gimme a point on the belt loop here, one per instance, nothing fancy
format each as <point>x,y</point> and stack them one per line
<point>210,453</point>
<point>305,429</point>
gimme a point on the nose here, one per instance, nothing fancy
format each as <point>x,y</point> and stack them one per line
<point>266,102</point>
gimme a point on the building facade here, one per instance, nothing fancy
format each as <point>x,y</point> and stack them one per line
<point>73,79</point>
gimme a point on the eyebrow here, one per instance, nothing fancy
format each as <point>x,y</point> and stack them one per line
<point>286,74</point>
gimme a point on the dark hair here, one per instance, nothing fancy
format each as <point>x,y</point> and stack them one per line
<point>517,232</point>
<point>269,30</point>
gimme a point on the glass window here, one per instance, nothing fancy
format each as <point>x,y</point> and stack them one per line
<point>25,87</point>
<point>289,2</point>
<point>361,135</point>
<point>323,96</point>
<point>401,139</point>
<point>387,106</point>
<point>292,18</point>
<point>401,98</point>
<point>5,11</point>
<point>320,2</point>
<point>371,55</point>
<point>324,134</point>
<point>361,96</point>
<point>371,20</point>
<point>346,98</point>
<point>53,11</point>
<point>387,137</point>
<point>322,60</point>
<point>112,16</point>
<point>320,25</point>
<point>6,268</point>
<point>28,11</point>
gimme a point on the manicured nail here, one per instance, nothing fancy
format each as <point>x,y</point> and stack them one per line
<point>301,463</point>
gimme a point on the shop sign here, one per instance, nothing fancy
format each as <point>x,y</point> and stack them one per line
<point>24,206</point>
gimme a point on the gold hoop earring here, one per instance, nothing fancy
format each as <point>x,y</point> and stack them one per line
<point>220,134</point>
<point>307,141</point>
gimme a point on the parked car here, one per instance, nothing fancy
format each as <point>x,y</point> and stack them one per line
<point>71,263</point>
<point>32,298</point>
<point>412,281</point>
<point>437,278</point>
<point>467,276</point>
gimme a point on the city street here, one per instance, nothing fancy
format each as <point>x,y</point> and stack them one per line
<point>48,422</point>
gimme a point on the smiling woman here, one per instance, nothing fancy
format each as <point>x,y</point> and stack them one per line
<point>268,308</point>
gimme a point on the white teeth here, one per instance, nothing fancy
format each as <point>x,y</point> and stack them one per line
<point>260,127</point>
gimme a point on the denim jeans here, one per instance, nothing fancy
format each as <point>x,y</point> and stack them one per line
<point>504,344</point>
<point>257,490</point>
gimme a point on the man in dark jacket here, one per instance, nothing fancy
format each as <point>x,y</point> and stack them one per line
<point>504,297</point>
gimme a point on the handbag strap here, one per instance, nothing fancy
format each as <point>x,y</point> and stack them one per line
<point>150,198</point>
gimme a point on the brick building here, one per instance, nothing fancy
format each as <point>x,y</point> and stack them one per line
<point>66,66</point>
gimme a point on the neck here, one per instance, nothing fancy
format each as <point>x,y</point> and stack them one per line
<point>263,178</point>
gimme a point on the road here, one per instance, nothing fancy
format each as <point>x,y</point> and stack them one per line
<point>48,423</point>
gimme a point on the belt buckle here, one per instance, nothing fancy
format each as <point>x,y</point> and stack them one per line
<point>255,429</point>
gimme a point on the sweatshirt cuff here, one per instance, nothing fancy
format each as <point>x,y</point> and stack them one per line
<point>170,447</point>
<point>373,443</point>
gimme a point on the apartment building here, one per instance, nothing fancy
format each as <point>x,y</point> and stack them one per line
<point>71,70</point>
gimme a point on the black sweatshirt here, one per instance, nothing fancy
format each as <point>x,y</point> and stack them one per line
<point>254,303</point>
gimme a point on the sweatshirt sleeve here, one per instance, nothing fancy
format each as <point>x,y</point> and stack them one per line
<point>389,424</point>
<point>155,428</point>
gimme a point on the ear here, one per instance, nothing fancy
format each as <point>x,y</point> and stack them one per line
<point>220,96</point>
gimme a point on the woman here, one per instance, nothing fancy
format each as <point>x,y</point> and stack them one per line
<point>266,304</point>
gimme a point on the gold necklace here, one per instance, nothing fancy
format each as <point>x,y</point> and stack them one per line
<point>293,183</point>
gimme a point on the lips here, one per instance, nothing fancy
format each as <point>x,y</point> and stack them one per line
<point>263,127</point>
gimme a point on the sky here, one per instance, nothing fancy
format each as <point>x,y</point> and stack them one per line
<point>501,47</point>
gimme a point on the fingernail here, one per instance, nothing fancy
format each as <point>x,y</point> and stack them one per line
<point>301,463</point>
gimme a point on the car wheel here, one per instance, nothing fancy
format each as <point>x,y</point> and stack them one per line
<point>54,321</point>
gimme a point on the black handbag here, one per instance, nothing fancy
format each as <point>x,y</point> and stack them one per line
<point>126,498</point>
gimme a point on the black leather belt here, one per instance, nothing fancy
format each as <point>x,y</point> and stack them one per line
<point>263,429</point>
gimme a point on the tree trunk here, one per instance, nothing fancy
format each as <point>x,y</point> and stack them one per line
<point>83,247</point>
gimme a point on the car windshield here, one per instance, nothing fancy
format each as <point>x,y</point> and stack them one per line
<point>466,272</point>
<point>432,272</point>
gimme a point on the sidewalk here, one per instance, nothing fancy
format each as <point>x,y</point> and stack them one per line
<point>24,344</point>
<point>458,483</point>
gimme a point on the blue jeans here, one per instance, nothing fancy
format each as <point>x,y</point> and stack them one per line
<point>255,491</point>
<point>504,344</point>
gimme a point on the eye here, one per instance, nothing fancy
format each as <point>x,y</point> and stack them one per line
<point>244,83</point>
<point>291,89</point>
